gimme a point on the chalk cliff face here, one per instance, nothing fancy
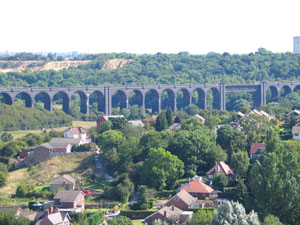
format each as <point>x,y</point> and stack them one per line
<point>113,64</point>
<point>17,66</point>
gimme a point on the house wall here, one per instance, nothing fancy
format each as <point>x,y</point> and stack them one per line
<point>80,200</point>
<point>178,203</point>
<point>296,136</point>
<point>40,155</point>
<point>64,150</point>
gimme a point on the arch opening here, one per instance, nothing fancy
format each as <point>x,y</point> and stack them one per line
<point>79,103</point>
<point>61,101</point>
<point>43,100</point>
<point>168,100</point>
<point>198,98</point>
<point>152,102</point>
<point>285,90</point>
<point>97,102</point>
<point>5,98</point>
<point>136,98</point>
<point>23,99</point>
<point>182,98</point>
<point>119,102</point>
<point>213,99</point>
<point>272,94</point>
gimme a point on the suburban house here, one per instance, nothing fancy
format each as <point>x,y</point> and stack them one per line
<point>262,113</point>
<point>41,153</point>
<point>136,123</point>
<point>199,190</point>
<point>77,133</point>
<point>296,133</point>
<point>150,120</point>
<point>219,167</point>
<point>69,200</point>
<point>65,182</point>
<point>102,119</point>
<point>169,214</point>
<point>255,150</point>
<point>295,113</point>
<point>200,117</point>
<point>182,200</point>
<point>67,140</point>
<point>54,218</point>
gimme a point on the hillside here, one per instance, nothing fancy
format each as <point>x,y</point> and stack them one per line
<point>38,65</point>
<point>81,165</point>
<point>181,68</point>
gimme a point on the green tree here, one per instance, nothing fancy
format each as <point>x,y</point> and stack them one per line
<point>23,190</point>
<point>119,123</point>
<point>192,123</point>
<point>201,217</point>
<point>271,220</point>
<point>240,163</point>
<point>234,213</point>
<point>106,125</point>
<point>163,168</point>
<point>6,137</point>
<point>169,117</point>
<point>220,181</point>
<point>161,122</point>
<point>274,184</point>
<point>3,179</point>
<point>142,197</point>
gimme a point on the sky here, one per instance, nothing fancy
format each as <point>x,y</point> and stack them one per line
<point>149,26</point>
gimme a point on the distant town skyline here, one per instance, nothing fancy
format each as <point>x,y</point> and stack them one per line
<point>140,26</point>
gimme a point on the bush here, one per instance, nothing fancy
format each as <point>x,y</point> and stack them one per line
<point>95,218</point>
<point>24,190</point>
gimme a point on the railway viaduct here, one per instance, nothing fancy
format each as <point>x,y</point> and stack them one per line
<point>105,95</point>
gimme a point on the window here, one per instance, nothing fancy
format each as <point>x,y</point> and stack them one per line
<point>296,134</point>
<point>176,198</point>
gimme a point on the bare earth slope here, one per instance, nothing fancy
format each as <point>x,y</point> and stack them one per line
<point>18,66</point>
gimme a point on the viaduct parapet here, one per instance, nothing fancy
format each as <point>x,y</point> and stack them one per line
<point>105,95</point>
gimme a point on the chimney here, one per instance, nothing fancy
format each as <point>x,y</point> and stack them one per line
<point>50,209</point>
<point>165,214</point>
<point>173,207</point>
<point>46,213</point>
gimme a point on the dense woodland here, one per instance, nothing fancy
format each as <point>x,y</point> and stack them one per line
<point>162,68</point>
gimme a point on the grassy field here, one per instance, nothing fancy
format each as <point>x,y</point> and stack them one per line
<point>85,124</point>
<point>81,165</point>
<point>137,222</point>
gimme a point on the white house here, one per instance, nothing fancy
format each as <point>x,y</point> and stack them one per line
<point>77,133</point>
<point>296,132</point>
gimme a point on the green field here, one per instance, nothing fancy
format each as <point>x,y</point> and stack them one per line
<point>21,133</point>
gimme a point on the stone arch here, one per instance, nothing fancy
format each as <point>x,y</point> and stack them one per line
<point>215,102</point>
<point>119,100</point>
<point>168,101</point>
<point>98,98</point>
<point>152,101</point>
<point>199,98</point>
<point>285,90</point>
<point>44,98</point>
<point>6,98</point>
<point>272,94</point>
<point>83,101</point>
<point>26,98</point>
<point>63,98</point>
<point>183,98</point>
<point>136,98</point>
<point>297,89</point>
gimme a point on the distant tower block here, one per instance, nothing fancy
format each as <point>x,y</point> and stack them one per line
<point>296,44</point>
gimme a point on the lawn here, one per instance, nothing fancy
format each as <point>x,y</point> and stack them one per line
<point>21,133</point>
<point>135,222</point>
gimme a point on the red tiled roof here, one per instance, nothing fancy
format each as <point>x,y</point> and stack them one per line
<point>255,147</point>
<point>76,130</point>
<point>197,187</point>
<point>222,168</point>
